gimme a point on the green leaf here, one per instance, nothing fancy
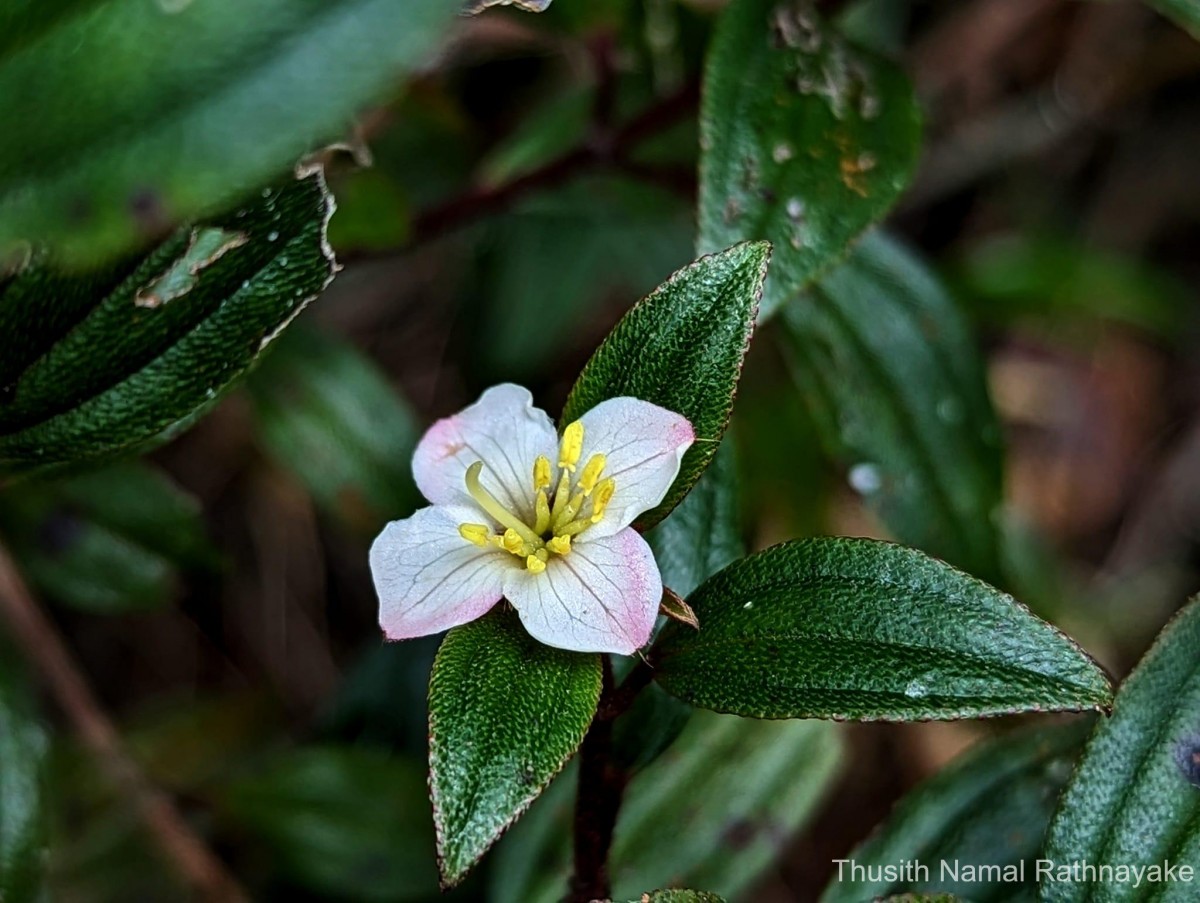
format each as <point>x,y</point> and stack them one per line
<point>713,812</point>
<point>1185,13</point>
<point>681,347</point>
<point>326,413</point>
<point>114,361</point>
<point>1135,797</point>
<point>806,140</point>
<point>505,714</point>
<point>678,896</point>
<point>987,810</point>
<point>348,822</point>
<point>109,541</point>
<point>896,385</point>
<point>135,115</point>
<point>22,803</point>
<point>856,628</point>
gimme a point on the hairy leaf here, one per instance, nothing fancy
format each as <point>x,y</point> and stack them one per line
<point>505,714</point>
<point>856,628</point>
<point>1135,797</point>
<point>681,347</point>
<point>678,896</point>
<point>806,140</point>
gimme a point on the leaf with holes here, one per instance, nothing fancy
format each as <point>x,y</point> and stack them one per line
<point>1135,797</point>
<point>681,347</point>
<point>505,714</point>
<point>117,360</point>
<point>806,140</point>
<point>136,115</point>
<point>856,628</point>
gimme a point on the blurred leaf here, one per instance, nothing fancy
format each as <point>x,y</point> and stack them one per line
<point>553,128</point>
<point>135,115</point>
<point>328,415</point>
<point>1024,275</point>
<point>855,628</point>
<point>989,808</point>
<point>108,541</point>
<point>896,385</point>
<point>112,362</point>
<point>681,347</point>
<point>1185,12</point>
<point>713,812</point>
<point>22,802</point>
<point>806,140</point>
<point>1135,797</point>
<point>560,255</point>
<point>373,213</point>
<point>346,822</point>
<point>648,728</point>
<point>505,714</point>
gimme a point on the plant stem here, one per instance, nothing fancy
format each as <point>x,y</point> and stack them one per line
<point>46,651</point>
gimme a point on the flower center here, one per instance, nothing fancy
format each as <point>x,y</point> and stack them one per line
<point>569,509</point>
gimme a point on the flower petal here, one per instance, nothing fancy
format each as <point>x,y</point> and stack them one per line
<point>429,578</point>
<point>644,445</point>
<point>602,596</point>
<point>503,430</point>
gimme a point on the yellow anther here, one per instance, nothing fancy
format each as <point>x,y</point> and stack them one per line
<point>476,533</point>
<point>559,545</point>
<point>591,473</point>
<point>535,564</point>
<point>514,543</point>
<point>541,508</point>
<point>541,473</point>
<point>601,497</point>
<point>571,446</point>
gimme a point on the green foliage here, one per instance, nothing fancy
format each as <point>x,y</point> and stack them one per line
<point>328,415</point>
<point>348,822</point>
<point>505,714</point>
<point>108,541</point>
<point>681,347</point>
<point>806,140</point>
<point>1134,798</point>
<point>1184,12</point>
<point>711,812</point>
<point>135,115</point>
<point>895,383</point>
<point>678,896</point>
<point>22,800</point>
<point>989,808</point>
<point>855,628</point>
<point>130,356</point>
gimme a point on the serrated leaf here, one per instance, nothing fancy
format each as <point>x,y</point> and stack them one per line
<point>108,541</point>
<point>681,347</point>
<point>326,413</point>
<point>346,822</point>
<point>713,812</point>
<point>888,368</point>
<point>856,628</point>
<point>505,714</point>
<point>1135,797</point>
<point>135,115</point>
<point>22,803</point>
<point>987,810</point>
<point>678,896</point>
<point>111,362</point>
<point>1185,13</point>
<point>806,140</point>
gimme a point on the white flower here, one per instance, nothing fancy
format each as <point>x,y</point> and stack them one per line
<point>544,523</point>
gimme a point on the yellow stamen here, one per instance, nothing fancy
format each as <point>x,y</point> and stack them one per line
<point>541,473</point>
<point>591,473</point>
<point>476,533</point>
<point>543,555</point>
<point>542,510</point>
<point>562,495</point>
<point>602,496</point>
<point>574,528</point>
<point>514,543</point>
<point>569,510</point>
<point>535,564</point>
<point>559,545</point>
<point>571,446</point>
<point>488,503</point>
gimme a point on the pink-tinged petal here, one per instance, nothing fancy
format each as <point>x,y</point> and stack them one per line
<point>429,578</point>
<point>602,596</point>
<point>644,445</point>
<point>503,430</point>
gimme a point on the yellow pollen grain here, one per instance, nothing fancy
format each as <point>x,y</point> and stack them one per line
<point>535,564</point>
<point>591,473</point>
<point>541,473</point>
<point>571,446</point>
<point>559,545</point>
<point>476,533</point>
